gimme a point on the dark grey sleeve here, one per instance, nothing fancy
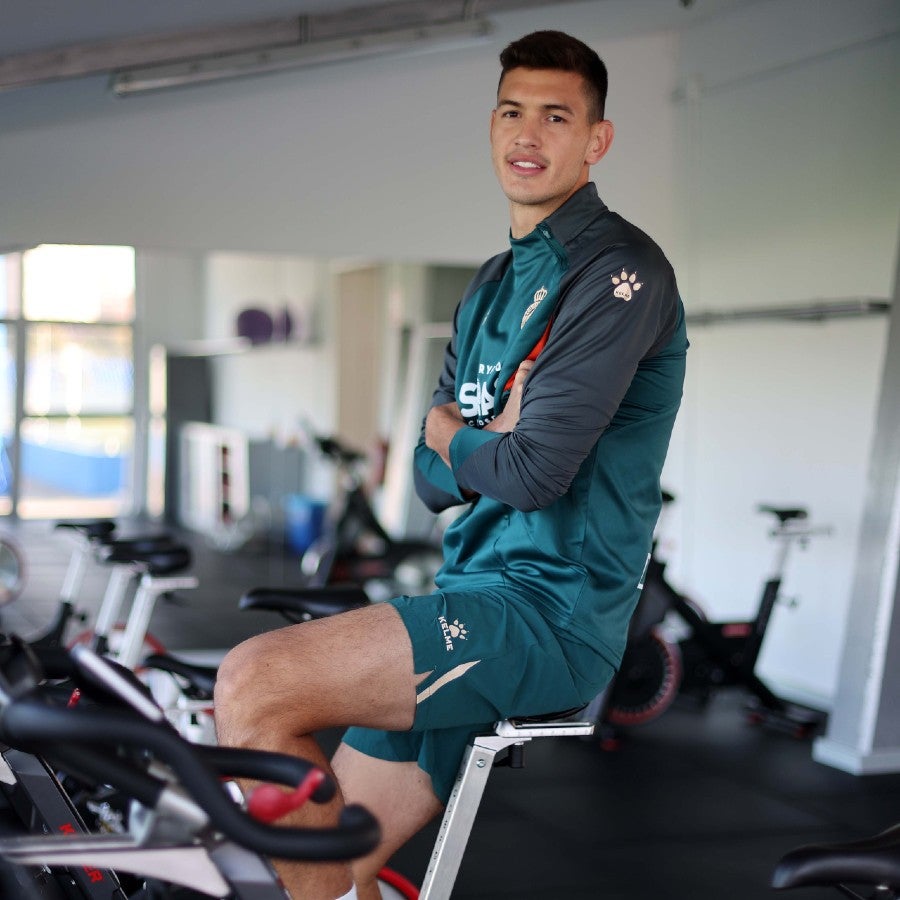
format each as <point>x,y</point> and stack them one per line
<point>576,385</point>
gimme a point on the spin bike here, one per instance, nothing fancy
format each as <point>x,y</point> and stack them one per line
<point>354,547</point>
<point>185,827</point>
<point>155,561</point>
<point>711,655</point>
<point>89,536</point>
<point>145,568</point>
<point>503,746</point>
<point>182,824</point>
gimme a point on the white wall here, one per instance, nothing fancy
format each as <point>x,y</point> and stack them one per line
<point>271,282</point>
<point>267,390</point>
<point>775,182</point>
<point>791,139</point>
<point>780,414</point>
<point>792,152</point>
<point>380,158</point>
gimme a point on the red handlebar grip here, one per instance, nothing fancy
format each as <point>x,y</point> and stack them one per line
<point>268,802</point>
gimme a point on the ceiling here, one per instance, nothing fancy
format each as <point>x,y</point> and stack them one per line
<point>30,25</point>
<point>106,32</point>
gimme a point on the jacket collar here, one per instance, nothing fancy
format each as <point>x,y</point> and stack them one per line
<point>582,208</point>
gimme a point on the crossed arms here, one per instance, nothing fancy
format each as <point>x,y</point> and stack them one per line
<point>528,455</point>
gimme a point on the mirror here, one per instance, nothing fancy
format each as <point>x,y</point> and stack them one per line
<point>12,572</point>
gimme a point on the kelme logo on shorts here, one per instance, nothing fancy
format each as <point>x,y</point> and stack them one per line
<point>452,631</point>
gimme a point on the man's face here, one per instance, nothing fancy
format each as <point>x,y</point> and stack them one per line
<point>542,143</point>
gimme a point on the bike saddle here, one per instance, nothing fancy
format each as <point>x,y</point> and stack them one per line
<point>306,603</point>
<point>95,529</point>
<point>143,544</point>
<point>784,514</point>
<point>872,860</point>
<point>548,717</point>
<point>165,559</point>
<point>202,679</point>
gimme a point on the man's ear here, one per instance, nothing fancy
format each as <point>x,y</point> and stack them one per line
<point>602,134</point>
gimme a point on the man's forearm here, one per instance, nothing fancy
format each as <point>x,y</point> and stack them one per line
<point>441,424</point>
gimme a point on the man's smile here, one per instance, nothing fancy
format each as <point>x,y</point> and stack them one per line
<point>526,165</point>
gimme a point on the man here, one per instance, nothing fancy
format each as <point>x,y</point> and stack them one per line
<point>551,422</point>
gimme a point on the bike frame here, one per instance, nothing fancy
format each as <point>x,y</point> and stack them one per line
<point>170,840</point>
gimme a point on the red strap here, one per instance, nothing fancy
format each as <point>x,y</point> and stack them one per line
<point>533,355</point>
<point>400,882</point>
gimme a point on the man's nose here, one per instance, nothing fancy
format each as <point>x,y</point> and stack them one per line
<point>528,133</point>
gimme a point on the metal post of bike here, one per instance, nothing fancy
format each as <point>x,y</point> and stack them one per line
<point>150,588</point>
<point>459,815</point>
<point>113,599</point>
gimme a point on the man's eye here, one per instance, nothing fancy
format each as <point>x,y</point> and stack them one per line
<point>510,114</point>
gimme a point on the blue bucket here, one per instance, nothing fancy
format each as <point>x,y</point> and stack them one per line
<point>303,521</point>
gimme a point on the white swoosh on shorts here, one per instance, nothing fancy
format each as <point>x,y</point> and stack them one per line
<point>446,678</point>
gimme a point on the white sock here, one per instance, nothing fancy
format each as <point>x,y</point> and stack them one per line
<point>350,895</point>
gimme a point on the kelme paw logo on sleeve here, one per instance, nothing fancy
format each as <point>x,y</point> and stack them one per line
<point>626,285</point>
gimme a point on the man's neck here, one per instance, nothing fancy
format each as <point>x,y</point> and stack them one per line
<point>524,217</point>
<point>523,224</point>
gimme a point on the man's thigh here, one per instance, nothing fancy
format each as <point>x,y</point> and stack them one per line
<point>352,668</point>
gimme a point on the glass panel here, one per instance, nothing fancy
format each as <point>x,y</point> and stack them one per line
<point>7,413</point>
<point>75,468</point>
<point>78,369</point>
<point>10,272</point>
<point>78,284</point>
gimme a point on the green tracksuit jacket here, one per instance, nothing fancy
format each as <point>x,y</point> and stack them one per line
<point>567,502</point>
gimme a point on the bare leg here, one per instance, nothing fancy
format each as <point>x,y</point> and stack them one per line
<point>399,795</point>
<point>275,690</point>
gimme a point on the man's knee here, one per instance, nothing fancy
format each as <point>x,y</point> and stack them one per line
<point>268,688</point>
<point>233,674</point>
<point>244,686</point>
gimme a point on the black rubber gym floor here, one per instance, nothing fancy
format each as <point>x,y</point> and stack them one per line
<point>698,805</point>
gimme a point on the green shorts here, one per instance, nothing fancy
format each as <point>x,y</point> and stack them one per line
<point>490,655</point>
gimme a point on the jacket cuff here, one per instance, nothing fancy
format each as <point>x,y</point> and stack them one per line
<point>466,441</point>
<point>436,471</point>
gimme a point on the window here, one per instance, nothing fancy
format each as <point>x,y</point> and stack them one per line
<point>67,390</point>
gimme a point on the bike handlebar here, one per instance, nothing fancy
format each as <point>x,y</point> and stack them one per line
<point>335,450</point>
<point>33,722</point>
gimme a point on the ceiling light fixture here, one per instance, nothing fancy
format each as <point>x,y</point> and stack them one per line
<point>416,39</point>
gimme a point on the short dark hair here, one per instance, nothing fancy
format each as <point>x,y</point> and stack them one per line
<point>558,50</point>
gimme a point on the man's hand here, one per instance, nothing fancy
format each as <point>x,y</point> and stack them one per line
<point>509,418</point>
<point>441,424</point>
